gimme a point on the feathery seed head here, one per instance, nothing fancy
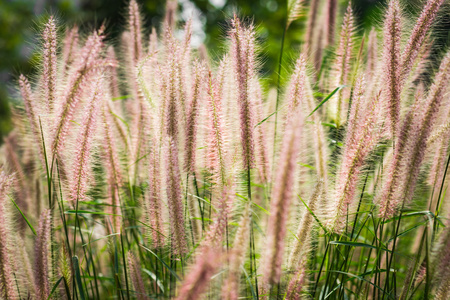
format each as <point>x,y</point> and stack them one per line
<point>391,64</point>
<point>41,253</point>
<point>191,125</point>
<point>281,199</point>
<point>197,280</point>
<point>418,35</point>
<point>243,53</point>
<point>136,277</point>
<point>82,164</point>
<point>49,81</point>
<point>135,27</point>
<point>175,199</point>
<point>7,285</point>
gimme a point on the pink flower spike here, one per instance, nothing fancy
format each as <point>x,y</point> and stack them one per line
<point>82,164</point>
<point>7,281</point>
<point>175,200</point>
<point>391,64</point>
<point>49,80</point>
<point>41,253</point>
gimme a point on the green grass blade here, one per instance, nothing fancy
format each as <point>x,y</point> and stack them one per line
<point>250,283</point>
<point>356,244</point>
<point>76,267</point>
<point>315,217</point>
<point>155,278</point>
<point>265,119</point>
<point>23,215</point>
<point>54,287</point>
<point>327,98</point>
<point>163,262</point>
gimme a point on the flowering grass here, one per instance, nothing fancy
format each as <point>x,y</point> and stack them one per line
<point>147,170</point>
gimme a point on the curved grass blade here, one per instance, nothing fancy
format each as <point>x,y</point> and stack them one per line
<point>359,277</point>
<point>310,211</point>
<point>76,267</point>
<point>265,119</point>
<point>23,215</point>
<point>163,262</point>
<point>356,244</point>
<point>54,287</point>
<point>153,276</point>
<point>327,98</point>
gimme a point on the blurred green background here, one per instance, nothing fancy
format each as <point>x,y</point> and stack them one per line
<point>20,21</point>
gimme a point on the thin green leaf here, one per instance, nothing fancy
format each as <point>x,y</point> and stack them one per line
<point>103,237</point>
<point>310,211</point>
<point>23,215</point>
<point>356,244</point>
<point>265,119</point>
<point>153,276</point>
<point>76,267</point>
<point>121,97</point>
<point>249,282</point>
<point>72,212</point>
<point>327,98</point>
<point>359,278</point>
<point>54,288</point>
<point>307,166</point>
<point>406,231</point>
<point>162,261</point>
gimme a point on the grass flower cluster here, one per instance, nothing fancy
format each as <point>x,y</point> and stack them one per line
<point>148,170</point>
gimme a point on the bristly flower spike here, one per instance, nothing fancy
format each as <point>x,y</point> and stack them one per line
<point>330,21</point>
<point>197,281</point>
<point>30,107</point>
<point>7,285</point>
<point>216,148</point>
<point>298,283</point>
<point>363,135</point>
<point>281,200</point>
<point>418,35</point>
<point>88,62</point>
<point>391,64</point>
<point>230,289</point>
<point>192,122</point>
<point>135,27</point>
<point>342,67</point>
<point>301,245</point>
<point>372,53</point>
<point>113,171</point>
<point>175,199</point>
<point>82,163</point>
<point>153,207</point>
<point>242,44</point>
<point>136,277</point>
<point>405,166</point>
<point>70,47</point>
<point>49,79</point>
<point>294,11</point>
<point>41,253</point>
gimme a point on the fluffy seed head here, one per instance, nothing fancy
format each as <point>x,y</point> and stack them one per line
<point>197,280</point>
<point>242,47</point>
<point>82,164</point>
<point>7,285</point>
<point>175,199</point>
<point>49,64</point>
<point>280,201</point>
<point>136,277</point>
<point>391,64</point>
<point>41,253</point>
<point>418,35</point>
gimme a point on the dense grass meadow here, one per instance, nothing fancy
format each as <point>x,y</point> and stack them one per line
<point>142,168</point>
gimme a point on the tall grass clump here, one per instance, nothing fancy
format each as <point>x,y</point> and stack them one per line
<point>146,170</point>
